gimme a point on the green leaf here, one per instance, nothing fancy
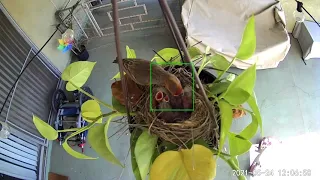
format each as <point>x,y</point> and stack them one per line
<point>167,146</point>
<point>130,53</point>
<point>241,88</point>
<point>91,110</point>
<point>167,54</point>
<point>255,109</point>
<point>251,129</point>
<point>117,106</point>
<point>80,131</point>
<point>220,62</point>
<point>77,73</point>
<point>133,140</point>
<point>226,121</point>
<point>248,42</point>
<point>143,151</point>
<point>218,88</point>
<point>193,52</point>
<point>197,163</point>
<point>45,129</point>
<point>238,145</point>
<point>74,153</point>
<point>98,140</point>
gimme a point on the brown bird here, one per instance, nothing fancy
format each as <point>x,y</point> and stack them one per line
<point>139,71</point>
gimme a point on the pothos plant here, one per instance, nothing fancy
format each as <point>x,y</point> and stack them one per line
<point>197,162</point>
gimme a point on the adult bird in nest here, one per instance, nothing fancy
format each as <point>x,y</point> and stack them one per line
<point>139,71</point>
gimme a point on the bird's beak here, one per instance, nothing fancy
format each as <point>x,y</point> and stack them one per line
<point>115,61</point>
<point>166,98</point>
<point>159,96</point>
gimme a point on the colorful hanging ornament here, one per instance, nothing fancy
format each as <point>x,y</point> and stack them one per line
<point>65,43</point>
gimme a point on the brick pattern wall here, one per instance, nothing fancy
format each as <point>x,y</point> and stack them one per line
<point>134,14</point>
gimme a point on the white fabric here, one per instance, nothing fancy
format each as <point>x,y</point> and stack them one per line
<point>220,24</point>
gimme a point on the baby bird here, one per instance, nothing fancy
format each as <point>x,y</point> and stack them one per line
<point>139,71</point>
<point>187,99</point>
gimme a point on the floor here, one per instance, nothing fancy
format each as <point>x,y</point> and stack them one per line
<point>288,97</point>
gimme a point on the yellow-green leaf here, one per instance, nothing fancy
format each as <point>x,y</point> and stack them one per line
<point>238,145</point>
<point>90,110</point>
<point>82,130</point>
<point>254,106</point>
<point>248,42</point>
<point>133,140</point>
<point>167,54</point>
<point>130,53</point>
<point>220,62</point>
<point>45,129</point>
<point>98,140</point>
<point>77,73</point>
<point>226,121</point>
<point>186,164</point>
<point>241,88</point>
<point>144,151</point>
<point>251,130</point>
<point>74,153</point>
<point>193,52</point>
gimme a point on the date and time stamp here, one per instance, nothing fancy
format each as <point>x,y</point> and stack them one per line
<point>273,172</point>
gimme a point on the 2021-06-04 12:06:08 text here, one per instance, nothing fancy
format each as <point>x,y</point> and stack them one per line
<point>272,172</point>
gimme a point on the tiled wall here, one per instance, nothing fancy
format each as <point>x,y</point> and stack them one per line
<point>134,14</point>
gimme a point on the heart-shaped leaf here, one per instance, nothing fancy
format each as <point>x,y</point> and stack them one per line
<point>248,42</point>
<point>133,140</point>
<point>226,121</point>
<point>193,52</point>
<point>167,54</point>
<point>241,88</point>
<point>220,62</point>
<point>45,129</point>
<point>238,145</point>
<point>218,88</point>
<point>74,153</point>
<point>254,106</point>
<point>187,164</point>
<point>90,110</point>
<point>98,140</point>
<point>77,73</point>
<point>143,151</point>
<point>251,129</point>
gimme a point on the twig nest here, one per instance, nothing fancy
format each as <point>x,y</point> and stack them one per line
<point>180,131</point>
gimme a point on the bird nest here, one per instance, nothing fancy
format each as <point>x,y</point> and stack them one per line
<point>186,129</point>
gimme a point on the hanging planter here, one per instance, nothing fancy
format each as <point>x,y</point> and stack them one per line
<point>176,129</point>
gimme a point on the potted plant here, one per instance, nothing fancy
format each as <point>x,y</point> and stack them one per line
<point>183,149</point>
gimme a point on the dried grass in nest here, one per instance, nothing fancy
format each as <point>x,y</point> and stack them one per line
<point>199,125</point>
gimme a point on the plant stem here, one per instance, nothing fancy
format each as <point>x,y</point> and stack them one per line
<point>216,152</point>
<point>233,166</point>
<point>68,130</point>
<point>226,69</point>
<point>93,97</point>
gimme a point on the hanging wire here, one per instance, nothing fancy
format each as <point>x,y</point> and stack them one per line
<point>21,73</point>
